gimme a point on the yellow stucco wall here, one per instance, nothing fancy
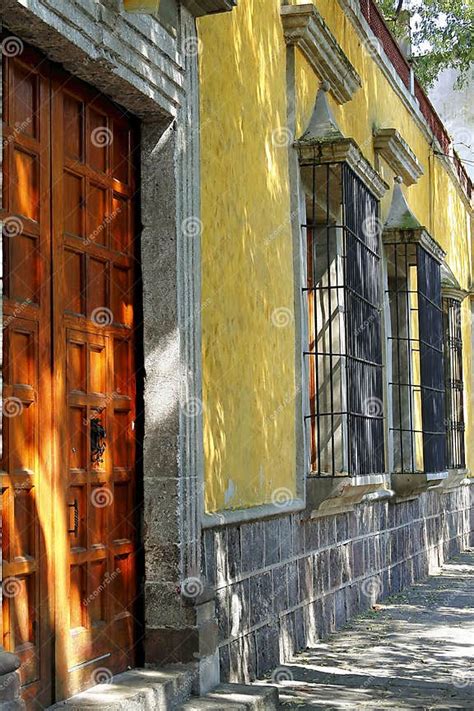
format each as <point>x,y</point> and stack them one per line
<point>247,273</point>
<point>247,282</point>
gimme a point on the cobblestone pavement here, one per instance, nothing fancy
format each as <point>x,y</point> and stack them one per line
<point>415,650</point>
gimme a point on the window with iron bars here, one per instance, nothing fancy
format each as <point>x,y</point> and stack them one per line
<point>417,367</point>
<point>344,314</point>
<point>454,384</point>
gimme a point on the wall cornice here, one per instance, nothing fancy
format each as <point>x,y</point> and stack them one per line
<point>342,150</point>
<point>133,59</point>
<point>449,292</point>
<point>352,9</point>
<point>398,154</point>
<point>304,28</point>
<point>418,235</point>
<point>450,286</point>
<point>198,8</point>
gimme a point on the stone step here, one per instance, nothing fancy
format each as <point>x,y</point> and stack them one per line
<point>235,697</point>
<point>136,690</point>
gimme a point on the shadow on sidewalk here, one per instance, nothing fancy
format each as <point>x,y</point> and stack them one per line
<point>415,650</point>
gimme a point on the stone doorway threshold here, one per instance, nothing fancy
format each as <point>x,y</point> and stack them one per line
<point>168,689</point>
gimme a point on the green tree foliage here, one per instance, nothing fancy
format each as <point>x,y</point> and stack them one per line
<point>442,33</point>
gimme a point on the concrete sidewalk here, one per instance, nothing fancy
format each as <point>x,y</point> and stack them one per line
<point>415,650</point>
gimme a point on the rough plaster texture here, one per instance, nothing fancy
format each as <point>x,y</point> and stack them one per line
<point>248,212</point>
<point>249,342</point>
<point>283,583</point>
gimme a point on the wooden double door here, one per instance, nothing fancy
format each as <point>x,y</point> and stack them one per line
<point>69,504</point>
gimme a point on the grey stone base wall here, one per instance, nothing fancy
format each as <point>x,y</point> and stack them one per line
<point>283,583</point>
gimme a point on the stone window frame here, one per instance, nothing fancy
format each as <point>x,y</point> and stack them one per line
<point>452,291</point>
<point>389,144</point>
<point>339,494</point>
<point>407,484</point>
<point>345,312</point>
<point>407,258</point>
<point>304,27</point>
<point>324,142</point>
<point>453,358</point>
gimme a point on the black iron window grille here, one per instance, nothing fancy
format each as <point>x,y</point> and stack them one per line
<point>344,315</point>
<point>417,383</point>
<point>454,384</point>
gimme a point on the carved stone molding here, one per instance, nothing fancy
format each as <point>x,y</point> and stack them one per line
<point>453,293</point>
<point>331,495</point>
<point>343,150</point>
<point>411,485</point>
<point>450,287</point>
<point>198,8</point>
<point>455,478</point>
<point>398,154</point>
<point>304,27</point>
<point>419,235</point>
<point>403,227</point>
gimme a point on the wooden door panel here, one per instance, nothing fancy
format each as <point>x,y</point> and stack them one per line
<point>27,481</point>
<point>70,533</point>
<point>93,313</point>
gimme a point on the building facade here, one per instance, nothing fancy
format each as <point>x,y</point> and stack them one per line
<point>238,336</point>
<point>336,274</point>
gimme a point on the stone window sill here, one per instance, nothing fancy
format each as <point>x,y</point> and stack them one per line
<point>455,478</point>
<point>410,484</point>
<point>331,495</point>
<point>234,516</point>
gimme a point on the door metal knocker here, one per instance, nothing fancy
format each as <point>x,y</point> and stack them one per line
<point>98,445</point>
